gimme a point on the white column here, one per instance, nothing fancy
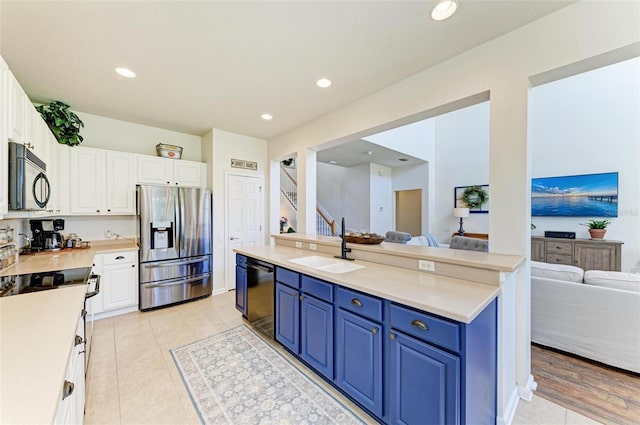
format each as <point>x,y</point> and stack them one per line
<point>306,164</point>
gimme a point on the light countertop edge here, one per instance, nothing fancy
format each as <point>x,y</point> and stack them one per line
<point>453,298</point>
<point>483,260</point>
<point>36,338</point>
<point>67,258</point>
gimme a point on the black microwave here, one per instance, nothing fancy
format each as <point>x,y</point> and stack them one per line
<point>29,188</point>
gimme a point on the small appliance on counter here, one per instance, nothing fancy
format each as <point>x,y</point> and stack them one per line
<point>46,235</point>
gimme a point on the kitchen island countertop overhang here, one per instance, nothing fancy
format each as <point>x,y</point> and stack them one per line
<point>448,297</point>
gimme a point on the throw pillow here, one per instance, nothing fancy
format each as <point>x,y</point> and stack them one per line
<point>617,280</point>
<point>557,271</point>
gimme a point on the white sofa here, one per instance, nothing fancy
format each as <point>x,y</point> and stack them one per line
<point>593,314</point>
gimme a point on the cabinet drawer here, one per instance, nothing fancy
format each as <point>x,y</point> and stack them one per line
<point>317,288</point>
<point>288,277</point>
<point>241,260</point>
<point>426,327</point>
<point>120,257</point>
<point>559,259</point>
<point>355,302</point>
<point>559,248</point>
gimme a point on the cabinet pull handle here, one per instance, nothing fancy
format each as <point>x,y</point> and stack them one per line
<point>374,330</point>
<point>420,325</point>
<point>356,302</point>
<point>392,336</point>
<point>119,257</point>
<point>67,390</point>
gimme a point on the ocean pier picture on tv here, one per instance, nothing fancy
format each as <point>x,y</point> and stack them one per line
<point>587,195</point>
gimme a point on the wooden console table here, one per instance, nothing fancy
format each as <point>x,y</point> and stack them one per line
<point>588,254</point>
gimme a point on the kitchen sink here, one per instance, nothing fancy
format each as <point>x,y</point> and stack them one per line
<point>327,264</point>
<point>341,267</point>
<point>313,261</point>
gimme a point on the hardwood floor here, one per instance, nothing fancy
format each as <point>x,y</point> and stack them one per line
<point>602,393</point>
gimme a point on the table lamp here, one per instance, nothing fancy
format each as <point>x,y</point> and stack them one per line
<point>461,213</point>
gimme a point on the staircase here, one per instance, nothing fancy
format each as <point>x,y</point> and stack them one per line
<point>325,224</point>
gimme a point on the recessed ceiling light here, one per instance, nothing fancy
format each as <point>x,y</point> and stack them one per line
<point>266,117</point>
<point>126,72</point>
<point>323,82</point>
<point>332,162</point>
<point>403,159</point>
<point>444,9</point>
<point>369,152</point>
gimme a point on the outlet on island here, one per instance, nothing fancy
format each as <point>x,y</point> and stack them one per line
<point>312,246</point>
<point>425,265</point>
<point>298,244</point>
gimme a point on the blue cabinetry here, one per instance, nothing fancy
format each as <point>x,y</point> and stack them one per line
<point>287,317</point>
<point>403,365</point>
<point>359,359</point>
<point>241,284</point>
<point>424,383</point>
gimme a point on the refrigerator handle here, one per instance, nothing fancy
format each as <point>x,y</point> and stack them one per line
<point>180,220</point>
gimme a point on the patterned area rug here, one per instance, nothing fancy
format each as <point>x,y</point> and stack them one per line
<point>235,377</point>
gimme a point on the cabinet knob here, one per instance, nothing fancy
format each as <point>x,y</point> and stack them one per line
<point>133,265</point>
<point>109,210</point>
<point>67,390</point>
<point>301,298</point>
<point>392,336</point>
<point>420,325</point>
<point>97,210</point>
<point>168,182</point>
<point>374,330</point>
<point>356,302</point>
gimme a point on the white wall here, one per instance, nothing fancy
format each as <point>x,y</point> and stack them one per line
<point>90,228</point>
<point>356,198</point>
<point>218,148</point>
<point>380,199</point>
<point>331,180</point>
<point>590,123</point>
<point>501,68</point>
<point>107,133</point>
<point>461,159</point>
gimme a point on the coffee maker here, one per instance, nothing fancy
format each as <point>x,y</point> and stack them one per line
<point>46,234</point>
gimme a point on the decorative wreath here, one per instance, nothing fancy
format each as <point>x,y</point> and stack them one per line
<point>474,196</point>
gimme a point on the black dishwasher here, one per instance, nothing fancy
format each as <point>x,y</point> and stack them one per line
<point>260,293</point>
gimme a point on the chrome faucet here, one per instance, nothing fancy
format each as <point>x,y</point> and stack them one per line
<point>344,250</point>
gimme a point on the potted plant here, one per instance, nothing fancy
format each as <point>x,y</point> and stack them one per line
<point>597,228</point>
<point>62,122</point>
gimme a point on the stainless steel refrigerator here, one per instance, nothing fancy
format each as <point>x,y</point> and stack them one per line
<point>174,237</point>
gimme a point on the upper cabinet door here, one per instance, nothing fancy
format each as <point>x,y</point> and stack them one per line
<point>17,120</point>
<point>189,173</point>
<point>4,134</point>
<point>154,170</point>
<point>86,172</point>
<point>121,183</point>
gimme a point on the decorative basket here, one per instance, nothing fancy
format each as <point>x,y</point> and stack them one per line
<point>169,151</point>
<point>369,239</point>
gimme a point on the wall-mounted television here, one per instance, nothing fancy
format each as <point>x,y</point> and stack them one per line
<point>586,195</point>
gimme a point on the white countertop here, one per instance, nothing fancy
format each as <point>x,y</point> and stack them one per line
<point>66,258</point>
<point>449,297</point>
<point>36,338</point>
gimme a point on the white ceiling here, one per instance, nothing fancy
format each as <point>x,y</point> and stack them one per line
<point>221,64</point>
<point>363,152</point>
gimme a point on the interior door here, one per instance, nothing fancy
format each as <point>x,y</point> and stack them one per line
<point>244,218</point>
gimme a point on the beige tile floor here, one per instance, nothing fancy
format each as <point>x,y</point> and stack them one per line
<point>132,378</point>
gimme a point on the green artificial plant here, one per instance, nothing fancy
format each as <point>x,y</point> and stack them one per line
<point>62,122</point>
<point>596,224</point>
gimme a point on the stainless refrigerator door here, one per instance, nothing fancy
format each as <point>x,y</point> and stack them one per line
<point>174,290</point>
<point>174,269</point>
<point>158,223</point>
<point>195,222</point>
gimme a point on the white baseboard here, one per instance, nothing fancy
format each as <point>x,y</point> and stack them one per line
<point>220,291</point>
<point>519,393</point>
<point>111,313</point>
<point>506,417</point>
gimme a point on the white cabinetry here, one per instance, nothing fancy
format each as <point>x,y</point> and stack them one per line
<point>157,170</point>
<point>101,182</point>
<point>4,134</point>
<point>71,405</point>
<point>118,284</point>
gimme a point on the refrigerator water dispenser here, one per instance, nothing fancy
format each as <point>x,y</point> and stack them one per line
<point>162,235</point>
